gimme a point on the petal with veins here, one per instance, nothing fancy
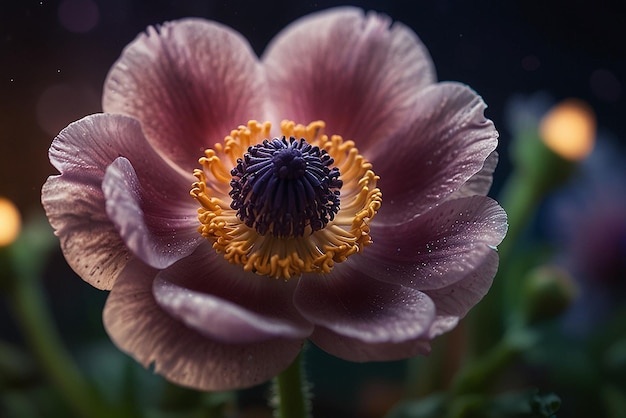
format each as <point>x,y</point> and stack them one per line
<point>357,306</point>
<point>89,240</point>
<point>227,304</point>
<point>189,82</point>
<point>438,248</point>
<point>75,203</point>
<point>156,228</point>
<point>353,349</point>
<point>479,183</point>
<point>454,301</point>
<point>140,327</point>
<point>358,72</point>
<point>444,143</point>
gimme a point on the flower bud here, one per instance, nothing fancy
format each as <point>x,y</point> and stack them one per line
<point>548,291</point>
<point>547,156</point>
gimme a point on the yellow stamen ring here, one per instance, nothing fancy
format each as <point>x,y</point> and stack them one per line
<point>286,257</point>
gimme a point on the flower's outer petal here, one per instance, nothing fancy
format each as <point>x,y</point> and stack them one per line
<point>438,248</point>
<point>157,228</point>
<point>357,306</point>
<point>479,183</point>
<point>189,82</point>
<point>75,203</point>
<point>141,328</point>
<point>90,242</point>
<point>225,303</point>
<point>444,144</point>
<point>353,349</point>
<point>357,72</point>
<point>454,301</point>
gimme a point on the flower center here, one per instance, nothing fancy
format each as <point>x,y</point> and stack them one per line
<point>274,206</point>
<point>283,186</point>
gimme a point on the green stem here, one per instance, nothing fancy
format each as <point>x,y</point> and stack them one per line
<point>291,392</point>
<point>427,375</point>
<point>29,309</point>
<point>478,375</point>
<point>20,268</point>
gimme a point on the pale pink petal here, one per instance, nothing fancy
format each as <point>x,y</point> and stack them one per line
<point>357,306</point>
<point>74,201</point>
<point>436,249</point>
<point>358,72</point>
<point>141,328</point>
<point>443,144</point>
<point>454,301</point>
<point>86,147</point>
<point>190,82</point>
<point>353,349</point>
<point>89,241</point>
<point>156,219</point>
<point>223,302</point>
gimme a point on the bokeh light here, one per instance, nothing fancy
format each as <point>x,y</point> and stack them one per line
<point>10,222</point>
<point>79,15</point>
<point>569,129</point>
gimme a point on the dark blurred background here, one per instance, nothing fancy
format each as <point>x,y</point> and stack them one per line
<point>54,57</point>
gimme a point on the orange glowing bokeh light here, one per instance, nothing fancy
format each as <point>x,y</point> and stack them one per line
<point>10,222</point>
<point>569,129</point>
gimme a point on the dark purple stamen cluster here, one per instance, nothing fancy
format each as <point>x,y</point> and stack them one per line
<point>282,186</point>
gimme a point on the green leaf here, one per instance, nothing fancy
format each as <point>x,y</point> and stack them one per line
<point>430,407</point>
<point>523,404</point>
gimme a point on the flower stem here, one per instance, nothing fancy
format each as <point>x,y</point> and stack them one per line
<point>478,375</point>
<point>21,264</point>
<point>29,309</point>
<point>291,392</point>
<point>428,375</point>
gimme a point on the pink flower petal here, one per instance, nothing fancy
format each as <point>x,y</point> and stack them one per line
<point>356,71</point>
<point>89,241</point>
<point>442,324</point>
<point>353,349</point>
<point>479,183</point>
<point>358,307</point>
<point>436,249</point>
<point>140,327</point>
<point>189,82</point>
<point>225,303</point>
<point>443,144</point>
<point>454,301</point>
<point>74,201</point>
<point>156,219</point>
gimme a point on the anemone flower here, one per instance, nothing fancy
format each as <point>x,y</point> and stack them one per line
<point>285,236</point>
